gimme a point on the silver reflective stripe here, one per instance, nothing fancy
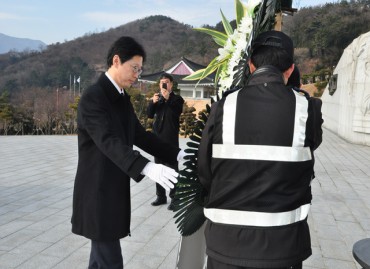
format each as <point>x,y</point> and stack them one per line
<point>296,153</point>
<point>300,120</point>
<point>266,153</point>
<point>259,219</point>
<point>228,123</point>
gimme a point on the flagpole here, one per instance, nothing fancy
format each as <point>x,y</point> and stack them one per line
<point>79,85</point>
<point>74,86</point>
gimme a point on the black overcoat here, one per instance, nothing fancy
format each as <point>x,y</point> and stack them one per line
<point>107,130</point>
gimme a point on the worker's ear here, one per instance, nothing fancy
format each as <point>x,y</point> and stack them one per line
<point>252,68</point>
<point>287,73</point>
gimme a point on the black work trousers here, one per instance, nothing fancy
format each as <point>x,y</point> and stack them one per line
<point>213,264</point>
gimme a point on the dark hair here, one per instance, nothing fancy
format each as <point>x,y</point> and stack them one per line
<point>266,55</point>
<point>125,47</point>
<point>166,75</point>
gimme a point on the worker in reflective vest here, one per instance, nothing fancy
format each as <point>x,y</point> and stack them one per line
<point>256,162</point>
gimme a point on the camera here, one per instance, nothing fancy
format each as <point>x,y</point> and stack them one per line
<point>161,98</point>
<point>164,86</point>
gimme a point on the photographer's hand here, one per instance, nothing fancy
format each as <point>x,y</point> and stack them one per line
<point>165,94</point>
<point>155,98</point>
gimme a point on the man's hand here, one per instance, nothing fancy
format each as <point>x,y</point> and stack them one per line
<point>161,174</point>
<point>155,98</point>
<point>165,93</point>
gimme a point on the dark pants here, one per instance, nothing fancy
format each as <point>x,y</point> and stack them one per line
<point>160,191</point>
<point>105,255</point>
<point>213,264</point>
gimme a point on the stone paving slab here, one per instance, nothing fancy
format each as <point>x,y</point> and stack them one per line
<point>36,185</point>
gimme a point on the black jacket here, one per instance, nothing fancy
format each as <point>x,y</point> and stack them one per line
<point>266,115</point>
<point>167,117</point>
<point>107,130</point>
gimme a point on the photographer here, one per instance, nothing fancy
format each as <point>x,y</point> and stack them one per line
<point>166,107</point>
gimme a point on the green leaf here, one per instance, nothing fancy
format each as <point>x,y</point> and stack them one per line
<point>219,42</point>
<point>202,73</point>
<point>226,24</point>
<point>217,76</point>
<point>213,65</point>
<point>239,8</point>
<point>197,75</point>
<point>215,34</point>
<point>223,66</point>
<point>195,138</point>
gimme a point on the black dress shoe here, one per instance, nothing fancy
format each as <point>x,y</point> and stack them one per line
<point>159,201</point>
<point>171,206</point>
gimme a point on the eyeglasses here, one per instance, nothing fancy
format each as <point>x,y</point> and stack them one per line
<point>137,69</point>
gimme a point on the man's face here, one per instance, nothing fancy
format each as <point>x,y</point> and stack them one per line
<point>126,74</point>
<point>167,82</point>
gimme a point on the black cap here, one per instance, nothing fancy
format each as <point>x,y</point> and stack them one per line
<point>275,39</point>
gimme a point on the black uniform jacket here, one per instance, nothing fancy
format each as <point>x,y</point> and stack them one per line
<point>265,117</point>
<point>107,130</point>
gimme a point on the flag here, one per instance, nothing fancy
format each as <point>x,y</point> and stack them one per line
<point>78,79</point>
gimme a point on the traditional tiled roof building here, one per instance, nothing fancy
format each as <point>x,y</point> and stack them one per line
<point>188,89</point>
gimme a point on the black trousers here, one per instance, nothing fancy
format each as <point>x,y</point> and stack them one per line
<point>160,191</point>
<point>213,264</point>
<point>105,255</point>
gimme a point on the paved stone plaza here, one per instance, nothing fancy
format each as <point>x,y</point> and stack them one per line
<point>36,184</point>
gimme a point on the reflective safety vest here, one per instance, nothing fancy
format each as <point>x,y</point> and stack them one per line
<point>256,163</point>
<point>229,151</point>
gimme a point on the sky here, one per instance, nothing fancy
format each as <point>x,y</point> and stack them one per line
<point>64,20</point>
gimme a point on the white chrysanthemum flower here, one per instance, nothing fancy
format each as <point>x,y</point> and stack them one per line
<point>246,25</point>
<point>242,44</point>
<point>249,7</point>
<point>228,82</point>
<point>223,53</point>
<point>236,45</point>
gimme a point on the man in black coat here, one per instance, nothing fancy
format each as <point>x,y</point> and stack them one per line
<point>256,161</point>
<point>166,108</point>
<point>107,130</point>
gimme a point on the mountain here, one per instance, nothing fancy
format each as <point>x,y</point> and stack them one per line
<point>8,43</point>
<point>319,33</point>
<point>164,39</point>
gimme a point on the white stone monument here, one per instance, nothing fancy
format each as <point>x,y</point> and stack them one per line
<point>346,100</point>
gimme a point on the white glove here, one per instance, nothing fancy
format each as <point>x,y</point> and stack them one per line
<point>161,174</point>
<point>181,155</point>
